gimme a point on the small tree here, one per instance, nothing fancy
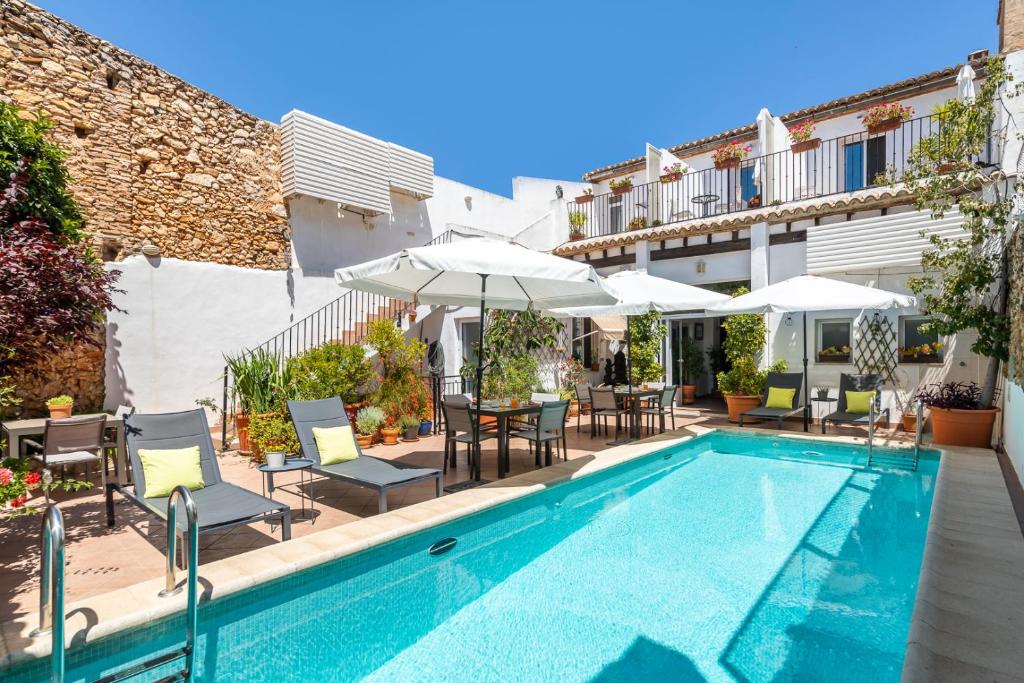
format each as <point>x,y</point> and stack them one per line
<point>646,333</point>
<point>746,335</point>
<point>964,285</point>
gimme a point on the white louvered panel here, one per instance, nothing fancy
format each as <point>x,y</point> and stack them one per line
<point>327,161</point>
<point>893,240</point>
<point>411,172</point>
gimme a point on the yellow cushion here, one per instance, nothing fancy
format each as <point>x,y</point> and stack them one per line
<point>165,468</point>
<point>859,401</point>
<point>780,398</point>
<point>336,444</point>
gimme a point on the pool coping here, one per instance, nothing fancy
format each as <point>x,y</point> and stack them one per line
<point>969,601</point>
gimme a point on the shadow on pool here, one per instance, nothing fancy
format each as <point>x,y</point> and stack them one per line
<point>842,601</point>
<point>647,660</point>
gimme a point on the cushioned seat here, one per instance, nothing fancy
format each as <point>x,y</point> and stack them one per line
<point>379,472</point>
<point>779,380</point>
<point>219,505</point>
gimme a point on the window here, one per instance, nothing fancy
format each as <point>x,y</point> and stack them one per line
<point>919,345</point>
<point>582,344</point>
<point>834,341</point>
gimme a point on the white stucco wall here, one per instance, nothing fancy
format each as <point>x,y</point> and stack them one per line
<point>1013,426</point>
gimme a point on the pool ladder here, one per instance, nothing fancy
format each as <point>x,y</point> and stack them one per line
<point>895,461</point>
<point>51,592</point>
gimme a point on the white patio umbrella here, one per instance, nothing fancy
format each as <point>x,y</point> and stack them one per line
<point>638,293</point>
<point>965,83</point>
<point>493,273</point>
<point>810,293</point>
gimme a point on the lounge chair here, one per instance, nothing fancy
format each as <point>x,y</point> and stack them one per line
<point>366,471</point>
<point>869,382</point>
<point>221,505</point>
<point>781,380</point>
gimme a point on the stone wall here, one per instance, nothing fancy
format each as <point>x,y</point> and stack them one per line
<point>154,159</point>
<point>77,372</point>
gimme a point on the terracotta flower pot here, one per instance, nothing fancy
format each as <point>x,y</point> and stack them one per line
<point>574,408</point>
<point>351,409</point>
<point>723,164</point>
<point>670,177</point>
<point>956,427</point>
<point>242,431</point>
<point>585,199</point>
<point>365,440</point>
<point>886,125</point>
<point>805,146</point>
<point>740,403</point>
<point>622,190</point>
<point>576,236</point>
<point>60,412</point>
<point>412,316</point>
<point>909,421</point>
<point>689,393</point>
<point>389,435</point>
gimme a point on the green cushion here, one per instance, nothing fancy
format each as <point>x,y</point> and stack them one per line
<point>859,401</point>
<point>780,398</point>
<point>165,468</point>
<point>336,444</point>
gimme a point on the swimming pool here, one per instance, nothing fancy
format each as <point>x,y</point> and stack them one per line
<point>728,557</point>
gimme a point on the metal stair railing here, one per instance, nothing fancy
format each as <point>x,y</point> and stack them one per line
<point>51,589</point>
<point>918,432</point>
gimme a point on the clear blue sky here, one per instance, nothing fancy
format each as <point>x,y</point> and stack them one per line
<point>551,89</point>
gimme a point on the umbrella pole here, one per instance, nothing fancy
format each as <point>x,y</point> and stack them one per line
<point>629,375</point>
<point>806,396</point>
<point>480,375</point>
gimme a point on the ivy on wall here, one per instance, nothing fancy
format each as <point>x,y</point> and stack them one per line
<point>1015,266</point>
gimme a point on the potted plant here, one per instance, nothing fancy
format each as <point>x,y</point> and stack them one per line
<point>271,432</point>
<point>638,223</point>
<point>801,137</point>
<point>691,367</point>
<point>577,219</point>
<point>754,202</point>
<point>906,403</point>
<point>821,393</point>
<point>586,197</point>
<point>389,431</point>
<point>922,353</point>
<point>260,384</point>
<point>426,423</point>
<point>957,416</point>
<point>409,427</point>
<point>621,186</point>
<point>743,383</point>
<point>730,154</point>
<point>368,421</point>
<point>332,370</point>
<point>672,173</point>
<point>886,117</point>
<point>834,354</point>
<point>572,373</point>
<point>60,406</point>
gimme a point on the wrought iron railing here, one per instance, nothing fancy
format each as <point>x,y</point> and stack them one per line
<point>832,166</point>
<point>441,386</point>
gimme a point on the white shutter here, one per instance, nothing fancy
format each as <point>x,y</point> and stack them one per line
<point>867,243</point>
<point>411,172</point>
<point>328,161</point>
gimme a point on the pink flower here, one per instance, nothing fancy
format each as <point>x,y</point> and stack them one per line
<point>5,476</point>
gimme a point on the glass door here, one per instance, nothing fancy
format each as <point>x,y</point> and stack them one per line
<point>679,330</point>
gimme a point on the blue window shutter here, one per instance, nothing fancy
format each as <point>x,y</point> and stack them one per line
<point>747,187</point>
<point>854,166</point>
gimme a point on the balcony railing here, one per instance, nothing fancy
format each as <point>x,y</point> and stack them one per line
<point>836,165</point>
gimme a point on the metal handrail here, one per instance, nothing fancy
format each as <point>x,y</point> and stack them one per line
<point>51,589</point>
<point>919,430</point>
<point>871,429</point>
<point>171,587</point>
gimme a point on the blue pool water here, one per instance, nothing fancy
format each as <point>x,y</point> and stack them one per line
<point>727,558</point>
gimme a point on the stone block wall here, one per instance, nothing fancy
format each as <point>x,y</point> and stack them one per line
<point>154,160</point>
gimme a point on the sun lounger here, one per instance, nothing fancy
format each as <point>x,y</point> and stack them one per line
<point>782,380</point>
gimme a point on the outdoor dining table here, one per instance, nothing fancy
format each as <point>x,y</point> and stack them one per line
<point>503,413</point>
<point>17,430</point>
<point>635,395</point>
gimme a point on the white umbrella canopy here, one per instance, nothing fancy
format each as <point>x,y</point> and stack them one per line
<point>637,293</point>
<point>810,293</point>
<point>450,274</point>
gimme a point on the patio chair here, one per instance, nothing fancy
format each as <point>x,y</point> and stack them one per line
<point>366,471</point>
<point>550,428</point>
<point>842,415</point>
<point>110,440</point>
<point>663,406</point>
<point>71,441</point>
<point>780,380</point>
<point>461,427</point>
<point>604,404</point>
<point>583,399</point>
<point>220,504</point>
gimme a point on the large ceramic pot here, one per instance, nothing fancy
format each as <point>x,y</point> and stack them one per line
<point>425,427</point>
<point>909,421</point>
<point>689,393</point>
<point>740,403</point>
<point>956,427</point>
<point>242,431</point>
<point>389,435</point>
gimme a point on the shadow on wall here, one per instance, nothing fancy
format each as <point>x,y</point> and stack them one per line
<point>117,392</point>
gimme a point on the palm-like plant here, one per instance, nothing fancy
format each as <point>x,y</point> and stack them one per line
<point>260,381</point>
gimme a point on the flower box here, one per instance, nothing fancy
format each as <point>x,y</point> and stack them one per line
<point>723,164</point>
<point>886,117</point>
<point>920,358</point>
<point>671,177</point>
<point>833,357</point>
<point>622,189</point>
<point>584,199</point>
<point>805,146</point>
<point>885,125</point>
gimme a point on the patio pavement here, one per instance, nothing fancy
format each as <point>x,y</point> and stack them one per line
<point>102,559</point>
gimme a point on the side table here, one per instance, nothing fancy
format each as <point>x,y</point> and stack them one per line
<point>303,467</point>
